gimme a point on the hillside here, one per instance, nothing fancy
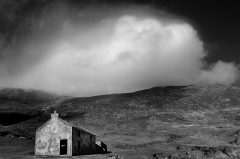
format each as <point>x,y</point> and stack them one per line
<point>176,120</point>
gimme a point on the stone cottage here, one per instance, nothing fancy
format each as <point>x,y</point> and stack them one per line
<point>57,137</point>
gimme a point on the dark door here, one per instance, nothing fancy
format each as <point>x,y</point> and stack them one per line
<point>63,147</point>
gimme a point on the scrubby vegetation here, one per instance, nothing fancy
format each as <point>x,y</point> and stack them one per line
<point>173,121</point>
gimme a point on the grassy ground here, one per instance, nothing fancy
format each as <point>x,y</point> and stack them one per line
<point>140,124</point>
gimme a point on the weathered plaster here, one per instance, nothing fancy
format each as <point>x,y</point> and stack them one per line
<point>48,138</point>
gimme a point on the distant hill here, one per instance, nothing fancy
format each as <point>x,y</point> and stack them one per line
<point>25,101</point>
<point>140,123</point>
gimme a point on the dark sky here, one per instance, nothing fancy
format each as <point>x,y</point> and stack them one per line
<point>32,31</point>
<point>217,21</point>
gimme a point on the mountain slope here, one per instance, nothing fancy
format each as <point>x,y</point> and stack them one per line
<point>142,123</point>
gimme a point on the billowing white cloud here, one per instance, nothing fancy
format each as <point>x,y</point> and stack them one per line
<point>220,73</point>
<point>121,54</point>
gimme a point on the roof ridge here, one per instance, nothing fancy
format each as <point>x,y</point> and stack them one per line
<point>71,124</point>
<point>74,125</point>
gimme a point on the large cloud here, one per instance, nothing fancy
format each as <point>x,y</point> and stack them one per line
<point>120,54</point>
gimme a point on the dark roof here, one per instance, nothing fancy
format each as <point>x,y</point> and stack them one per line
<point>74,125</point>
<point>67,123</point>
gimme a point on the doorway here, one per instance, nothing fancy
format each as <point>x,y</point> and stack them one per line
<point>63,147</point>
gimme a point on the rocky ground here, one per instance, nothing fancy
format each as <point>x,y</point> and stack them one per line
<point>161,122</point>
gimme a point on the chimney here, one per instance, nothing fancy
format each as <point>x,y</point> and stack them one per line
<point>54,115</point>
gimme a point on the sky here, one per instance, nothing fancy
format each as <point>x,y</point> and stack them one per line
<point>94,47</point>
